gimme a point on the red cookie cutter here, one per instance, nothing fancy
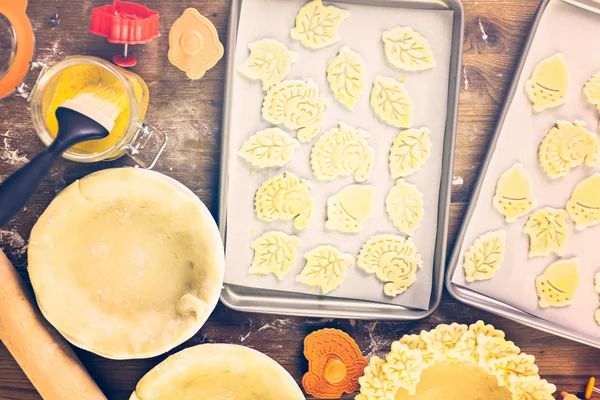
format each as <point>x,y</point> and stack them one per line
<point>125,23</point>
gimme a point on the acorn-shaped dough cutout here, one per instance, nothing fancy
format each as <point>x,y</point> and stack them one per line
<point>549,82</point>
<point>514,193</point>
<point>349,209</point>
<point>584,205</point>
<point>557,285</point>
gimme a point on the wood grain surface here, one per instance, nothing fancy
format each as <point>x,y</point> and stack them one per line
<point>190,112</point>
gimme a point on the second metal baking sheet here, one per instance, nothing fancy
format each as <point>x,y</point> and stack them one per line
<point>361,31</point>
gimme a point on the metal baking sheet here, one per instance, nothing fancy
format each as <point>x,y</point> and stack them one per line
<point>249,293</point>
<point>511,293</point>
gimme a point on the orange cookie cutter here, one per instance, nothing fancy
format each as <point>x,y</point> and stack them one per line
<point>14,12</point>
<point>194,45</point>
<point>334,364</point>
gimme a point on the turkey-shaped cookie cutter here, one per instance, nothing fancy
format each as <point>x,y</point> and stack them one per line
<point>334,364</point>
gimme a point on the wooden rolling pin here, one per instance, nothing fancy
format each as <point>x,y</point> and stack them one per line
<point>44,355</point>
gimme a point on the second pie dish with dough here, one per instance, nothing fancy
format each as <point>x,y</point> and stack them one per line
<point>126,263</point>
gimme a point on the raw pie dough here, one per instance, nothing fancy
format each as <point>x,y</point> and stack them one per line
<point>126,263</point>
<point>271,147</point>
<point>317,26</point>
<point>342,151</point>
<point>391,103</point>
<point>285,197</point>
<point>409,152</point>
<point>548,232</point>
<point>404,205</point>
<point>485,256</point>
<point>348,210</point>
<point>557,285</point>
<point>407,50</point>
<point>325,267</point>
<point>549,82</point>
<point>274,252</point>
<point>567,146</point>
<point>296,105</point>
<point>591,90</point>
<point>514,193</point>
<point>346,77</point>
<point>217,372</point>
<point>454,362</point>
<point>269,61</point>
<point>584,205</point>
<point>393,259</point>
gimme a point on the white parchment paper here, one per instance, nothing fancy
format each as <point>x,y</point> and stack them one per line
<point>361,31</point>
<point>569,30</point>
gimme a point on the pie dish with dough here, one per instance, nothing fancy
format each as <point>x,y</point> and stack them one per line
<point>126,263</point>
<point>217,372</point>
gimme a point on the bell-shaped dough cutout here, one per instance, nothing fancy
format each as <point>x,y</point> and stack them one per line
<point>584,205</point>
<point>514,193</point>
<point>548,232</point>
<point>269,61</point>
<point>557,285</point>
<point>326,267</point>
<point>485,256</point>
<point>349,209</point>
<point>404,205</point>
<point>407,49</point>
<point>549,82</point>
<point>317,26</point>
<point>274,252</point>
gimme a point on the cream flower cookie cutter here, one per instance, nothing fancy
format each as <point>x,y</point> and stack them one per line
<point>269,61</point>
<point>274,252</point>
<point>484,257</point>
<point>408,50</point>
<point>391,103</point>
<point>548,84</point>
<point>326,267</point>
<point>404,205</point>
<point>346,77</point>
<point>514,193</point>
<point>548,232</point>
<point>348,210</point>
<point>393,259</point>
<point>285,197</point>
<point>409,152</point>
<point>296,105</point>
<point>342,151</point>
<point>479,344</point>
<point>317,25</point>
<point>567,146</point>
<point>270,147</point>
<point>556,286</point>
<point>584,205</point>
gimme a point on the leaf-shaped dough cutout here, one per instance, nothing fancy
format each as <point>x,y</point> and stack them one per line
<point>485,256</point>
<point>269,61</point>
<point>517,365</point>
<point>325,267</point>
<point>514,193</point>
<point>492,348</point>
<point>416,342</point>
<point>274,252</point>
<point>393,259</point>
<point>348,210</point>
<point>584,205</point>
<point>391,103</point>
<point>346,77</point>
<point>375,384</point>
<point>443,339</point>
<point>409,152</point>
<point>284,197</point>
<point>404,205</point>
<point>591,90</point>
<point>466,348</point>
<point>549,82</point>
<point>340,152</point>
<point>407,50</point>
<point>404,366</point>
<point>269,148</point>
<point>557,285</point>
<point>317,26</point>
<point>548,232</point>
<point>296,105</point>
<point>531,387</point>
<point>567,146</point>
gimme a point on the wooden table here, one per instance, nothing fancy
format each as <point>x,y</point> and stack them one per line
<point>190,111</point>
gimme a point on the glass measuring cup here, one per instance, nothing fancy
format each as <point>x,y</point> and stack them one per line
<point>131,134</point>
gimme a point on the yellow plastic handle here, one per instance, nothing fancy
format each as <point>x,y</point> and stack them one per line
<point>14,11</point>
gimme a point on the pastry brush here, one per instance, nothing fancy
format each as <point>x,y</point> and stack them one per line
<point>90,115</point>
